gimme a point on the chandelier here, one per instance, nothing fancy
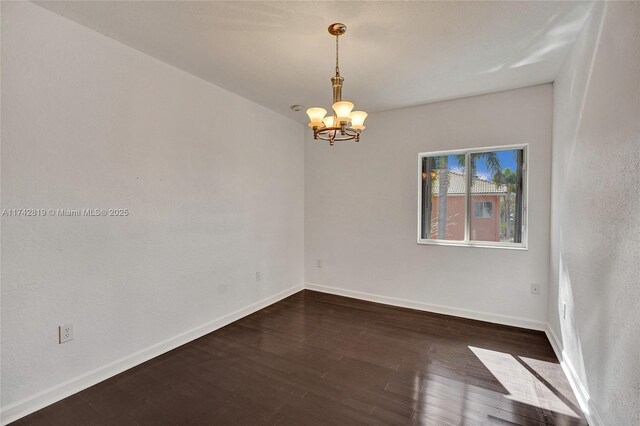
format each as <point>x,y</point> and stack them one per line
<point>345,124</point>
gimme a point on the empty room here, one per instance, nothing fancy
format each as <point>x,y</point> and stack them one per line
<point>320,213</point>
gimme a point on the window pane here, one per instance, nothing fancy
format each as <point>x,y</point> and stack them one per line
<point>443,197</point>
<point>488,209</point>
<point>478,212</point>
<point>496,185</point>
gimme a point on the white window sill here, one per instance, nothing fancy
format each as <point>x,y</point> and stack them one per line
<point>478,244</point>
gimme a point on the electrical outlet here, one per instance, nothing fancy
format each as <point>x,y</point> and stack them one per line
<point>258,276</point>
<point>319,263</point>
<point>534,289</point>
<point>65,333</point>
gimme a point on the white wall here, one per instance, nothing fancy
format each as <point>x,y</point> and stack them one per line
<point>214,185</point>
<point>595,256</point>
<point>361,201</point>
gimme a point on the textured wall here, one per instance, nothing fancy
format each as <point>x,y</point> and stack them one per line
<point>595,257</point>
<point>361,209</point>
<point>214,186</point>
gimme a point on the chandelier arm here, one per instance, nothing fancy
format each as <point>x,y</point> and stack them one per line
<point>350,138</point>
<point>333,134</point>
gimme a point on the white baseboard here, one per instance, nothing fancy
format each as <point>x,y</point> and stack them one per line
<point>40,400</point>
<point>577,386</point>
<point>439,309</point>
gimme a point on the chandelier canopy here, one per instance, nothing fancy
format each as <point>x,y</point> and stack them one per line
<point>345,124</point>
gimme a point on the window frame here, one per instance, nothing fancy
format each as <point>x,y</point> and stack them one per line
<point>467,242</point>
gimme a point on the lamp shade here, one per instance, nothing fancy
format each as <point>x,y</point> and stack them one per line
<point>343,109</point>
<point>315,116</point>
<point>328,121</point>
<point>357,119</point>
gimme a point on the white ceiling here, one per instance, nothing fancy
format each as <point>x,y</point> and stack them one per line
<point>394,55</point>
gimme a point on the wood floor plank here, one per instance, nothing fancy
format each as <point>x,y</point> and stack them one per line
<point>316,358</point>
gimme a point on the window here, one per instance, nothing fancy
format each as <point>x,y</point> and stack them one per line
<point>484,209</point>
<point>473,197</point>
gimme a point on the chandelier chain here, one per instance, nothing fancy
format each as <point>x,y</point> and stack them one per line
<point>337,65</point>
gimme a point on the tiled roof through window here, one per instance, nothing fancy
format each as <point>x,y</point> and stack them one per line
<point>478,186</point>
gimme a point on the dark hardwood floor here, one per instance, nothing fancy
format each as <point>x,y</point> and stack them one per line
<point>315,358</point>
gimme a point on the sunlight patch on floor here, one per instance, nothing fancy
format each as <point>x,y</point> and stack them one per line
<point>521,382</point>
